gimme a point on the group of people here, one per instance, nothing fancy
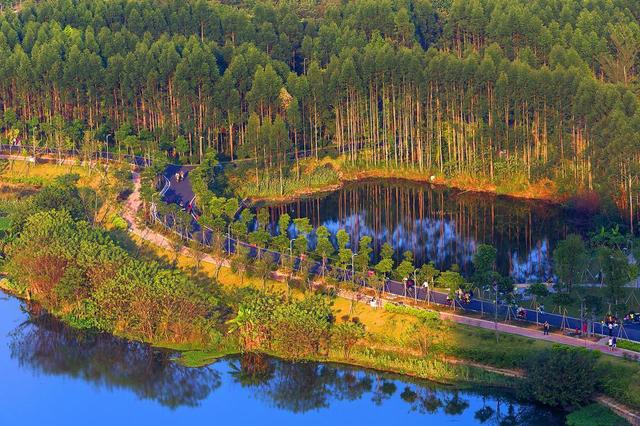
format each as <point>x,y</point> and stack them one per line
<point>464,296</point>
<point>180,176</point>
<point>613,343</point>
<point>610,322</point>
<point>632,317</point>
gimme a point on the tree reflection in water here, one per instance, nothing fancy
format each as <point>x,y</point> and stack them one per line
<point>303,387</point>
<point>443,226</point>
<point>46,345</point>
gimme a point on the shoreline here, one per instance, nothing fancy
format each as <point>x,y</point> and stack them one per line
<point>194,355</point>
<point>496,378</point>
<point>346,178</point>
<point>499,378</point>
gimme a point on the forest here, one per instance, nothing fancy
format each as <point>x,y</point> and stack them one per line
<point>541,90</point>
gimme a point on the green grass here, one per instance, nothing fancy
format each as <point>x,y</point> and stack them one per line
<point>5,223</point>
<point>631,346</point>
<point>317,177</point>
<point>595,415</point>
<point>408,310</point>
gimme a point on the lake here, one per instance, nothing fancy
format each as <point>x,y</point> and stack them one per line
<point>444,225</point>
<point>55,375</point>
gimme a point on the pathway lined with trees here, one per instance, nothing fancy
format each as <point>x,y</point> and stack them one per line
<point>395,289</point>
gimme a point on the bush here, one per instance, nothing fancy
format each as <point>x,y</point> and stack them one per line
<point>561,376</point>
<point>345,335</point>
<point>408,310</point>
<point>69,266</point>
<point>595,415</point>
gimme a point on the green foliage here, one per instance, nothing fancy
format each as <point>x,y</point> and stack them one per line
<point>428,273</point>
<point>484,260</point>
<point>409,310</point>
<point>61,195</point>
<point>384,267</point>
<point>294,328</point>
<point>615,269</point>
<point>405,269</point>
<point>561,377</point>
<point>595,415</point>
<point>386,251</point>
<point>431,335</point>
<point>452,280</point>
<point>363,256</point>
<point>69,266</point>
<point>119,222</point>
<point>5,224</point>
<point>324,247</point>
<point>345,336</point>
<point>569,261</point>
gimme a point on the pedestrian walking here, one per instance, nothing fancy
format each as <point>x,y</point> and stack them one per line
<point>614,343</point>
<point>610,343</point>
<point>546,328</point>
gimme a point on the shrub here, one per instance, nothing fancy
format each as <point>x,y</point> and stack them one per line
<point>345,336</point>
<point>408,310</point>
<point>595,415</point>
<point>561,376</point>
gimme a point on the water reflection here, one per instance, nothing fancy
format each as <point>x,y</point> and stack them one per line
<point>443,226</point>
<point>39,354</point>
<point>45,345</point>
<point>304,387</point>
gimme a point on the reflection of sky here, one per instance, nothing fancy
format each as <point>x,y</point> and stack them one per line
<point>536,267</point>
<point>438,241</point>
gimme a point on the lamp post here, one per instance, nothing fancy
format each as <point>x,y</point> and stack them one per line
<point>106,146</point>
<point>353,267</point>
<point>495,309</point>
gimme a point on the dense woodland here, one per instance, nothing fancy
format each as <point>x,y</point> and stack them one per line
<point>545,89</point>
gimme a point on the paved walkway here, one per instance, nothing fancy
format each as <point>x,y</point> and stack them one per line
<point>130,213</point>
<point>538,334</point>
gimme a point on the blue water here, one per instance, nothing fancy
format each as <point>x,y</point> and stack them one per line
<point>56,376</point>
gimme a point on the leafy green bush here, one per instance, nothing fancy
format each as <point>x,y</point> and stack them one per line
<point>595,415</point>
<point>561,376</point>
<point>345,335</point>
<point>69,266</point>
<point>408,310</point>
<point>118,222</point>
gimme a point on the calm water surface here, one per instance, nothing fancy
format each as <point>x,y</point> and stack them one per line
<point>444,226</point>
<point>55,376</point>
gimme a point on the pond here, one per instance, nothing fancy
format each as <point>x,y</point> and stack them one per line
<point>52,374</point>
<point>444,225</point>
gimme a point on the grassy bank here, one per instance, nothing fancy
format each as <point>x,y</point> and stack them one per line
<point>327,174</point>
